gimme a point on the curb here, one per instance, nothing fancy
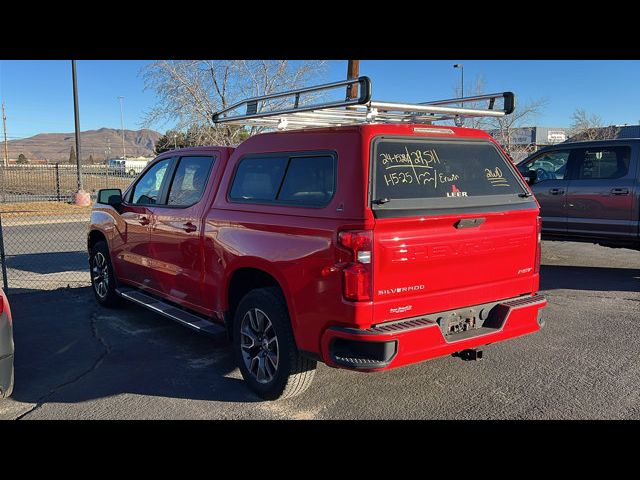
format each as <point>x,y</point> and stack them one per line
<point>7,223</point>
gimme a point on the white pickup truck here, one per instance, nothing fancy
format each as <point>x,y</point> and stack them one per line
<point>119,166</point>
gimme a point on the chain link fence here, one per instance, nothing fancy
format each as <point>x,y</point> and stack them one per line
<point>42,234</point>
<point>57,182</point>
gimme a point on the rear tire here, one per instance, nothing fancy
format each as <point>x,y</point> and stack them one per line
<point>265,348</point>
<point>103,281</point>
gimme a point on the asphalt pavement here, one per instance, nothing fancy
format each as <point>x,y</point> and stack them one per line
<point>45,252</point>
<point>76,360</point>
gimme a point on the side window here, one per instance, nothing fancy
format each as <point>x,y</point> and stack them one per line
<point>309,181</point>
<point>602,163</point>
<point>189,181</point>
<point>148,187</point>
<point>549,166</point>
<point>258,178</point>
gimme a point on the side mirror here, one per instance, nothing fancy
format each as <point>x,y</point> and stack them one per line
<point>531,176</point>
<point>110,196</point>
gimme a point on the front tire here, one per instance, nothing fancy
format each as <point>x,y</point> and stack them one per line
<point>265,348</point>
<point>102,279</point>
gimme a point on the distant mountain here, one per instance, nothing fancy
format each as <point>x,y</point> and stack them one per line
<point>101,144</point>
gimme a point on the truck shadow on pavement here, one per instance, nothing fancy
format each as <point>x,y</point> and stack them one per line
<point>49,262</point>
<point>69,349</point>
<point>554,277</point>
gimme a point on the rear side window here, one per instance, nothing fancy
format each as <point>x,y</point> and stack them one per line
<point>602,163</point>
<point>441,173</point>
<point>309,181</point>
<point>189,180</point>
<point>299,180</point>
<point>258,178</point>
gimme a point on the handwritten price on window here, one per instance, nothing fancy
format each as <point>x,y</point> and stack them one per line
<point>495,177</point>
<point>423,168</point>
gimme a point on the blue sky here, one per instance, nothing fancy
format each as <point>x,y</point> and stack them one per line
<point>38,93</point>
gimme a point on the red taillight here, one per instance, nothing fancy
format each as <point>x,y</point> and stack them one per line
<point>538,246</point>
<point>1,304</point>
<point>356,276</point>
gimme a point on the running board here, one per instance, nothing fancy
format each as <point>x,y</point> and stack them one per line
<point>187,319</point>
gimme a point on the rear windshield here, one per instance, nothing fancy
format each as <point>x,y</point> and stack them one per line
<point>437,173</point>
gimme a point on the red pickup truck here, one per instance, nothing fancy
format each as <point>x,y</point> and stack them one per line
<point>366,246</point>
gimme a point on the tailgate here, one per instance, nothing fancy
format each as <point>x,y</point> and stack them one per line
<point>424,265</point>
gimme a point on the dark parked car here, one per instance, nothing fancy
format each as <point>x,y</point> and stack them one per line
<point>588,191</point>
<point>6,347</point>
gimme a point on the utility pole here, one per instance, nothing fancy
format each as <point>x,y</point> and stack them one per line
<point>4,125</point>
<point>353,71</point>
<point>76,114</point>
<point>124,156</point>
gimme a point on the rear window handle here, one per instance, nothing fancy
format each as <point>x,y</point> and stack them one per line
<point>469,222</point>
<point>556,191</point>
<point>619,191</point>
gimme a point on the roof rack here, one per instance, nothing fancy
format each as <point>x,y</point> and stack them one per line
<point>286,111</point>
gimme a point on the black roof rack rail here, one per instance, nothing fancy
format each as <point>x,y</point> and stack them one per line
<point>305,108</point>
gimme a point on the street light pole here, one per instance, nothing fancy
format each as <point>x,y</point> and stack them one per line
<point>76,115</point>
<point>461,67</point>
<point>175,142</point>
<point>124,156</point>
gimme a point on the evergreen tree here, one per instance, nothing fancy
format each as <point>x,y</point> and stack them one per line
<point>22,160</point>
<point>72,156</point>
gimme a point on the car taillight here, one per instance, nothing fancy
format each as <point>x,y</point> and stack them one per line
<point>538,246</point>
<point>356,276</point>
<point>1,304</point>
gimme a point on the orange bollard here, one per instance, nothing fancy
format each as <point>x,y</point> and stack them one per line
<point>82,198</point>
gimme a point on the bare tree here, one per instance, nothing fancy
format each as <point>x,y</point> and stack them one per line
<point>478,88</point>
<point>503,128</point>
<point>590,127</point>
<point>191,91</point>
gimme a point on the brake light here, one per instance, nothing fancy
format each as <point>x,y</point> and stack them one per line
<point>356,276</point>
<point>538,244</point>
<point>1,304</point>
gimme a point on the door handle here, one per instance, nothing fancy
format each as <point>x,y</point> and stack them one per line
<point>619,191</point>
<point>189,227</point>
<point>143,221</point>
<point>556,191</point>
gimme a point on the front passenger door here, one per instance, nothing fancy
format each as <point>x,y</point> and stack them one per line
<point>550,187</point>
<point>130,251</point>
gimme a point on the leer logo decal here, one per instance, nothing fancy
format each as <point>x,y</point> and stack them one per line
<point>455,192</point>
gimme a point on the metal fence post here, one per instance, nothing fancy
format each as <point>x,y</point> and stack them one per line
<point>57,182</point>
<point>2,260</point>
<point>3,169</point>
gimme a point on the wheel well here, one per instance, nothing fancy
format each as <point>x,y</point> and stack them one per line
<point>95,236</point>
<point>242,282</point>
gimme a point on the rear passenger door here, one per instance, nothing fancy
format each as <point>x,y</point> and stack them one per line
<point>175,244</point>
<point>550,188</point>
<point>600,197</point>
